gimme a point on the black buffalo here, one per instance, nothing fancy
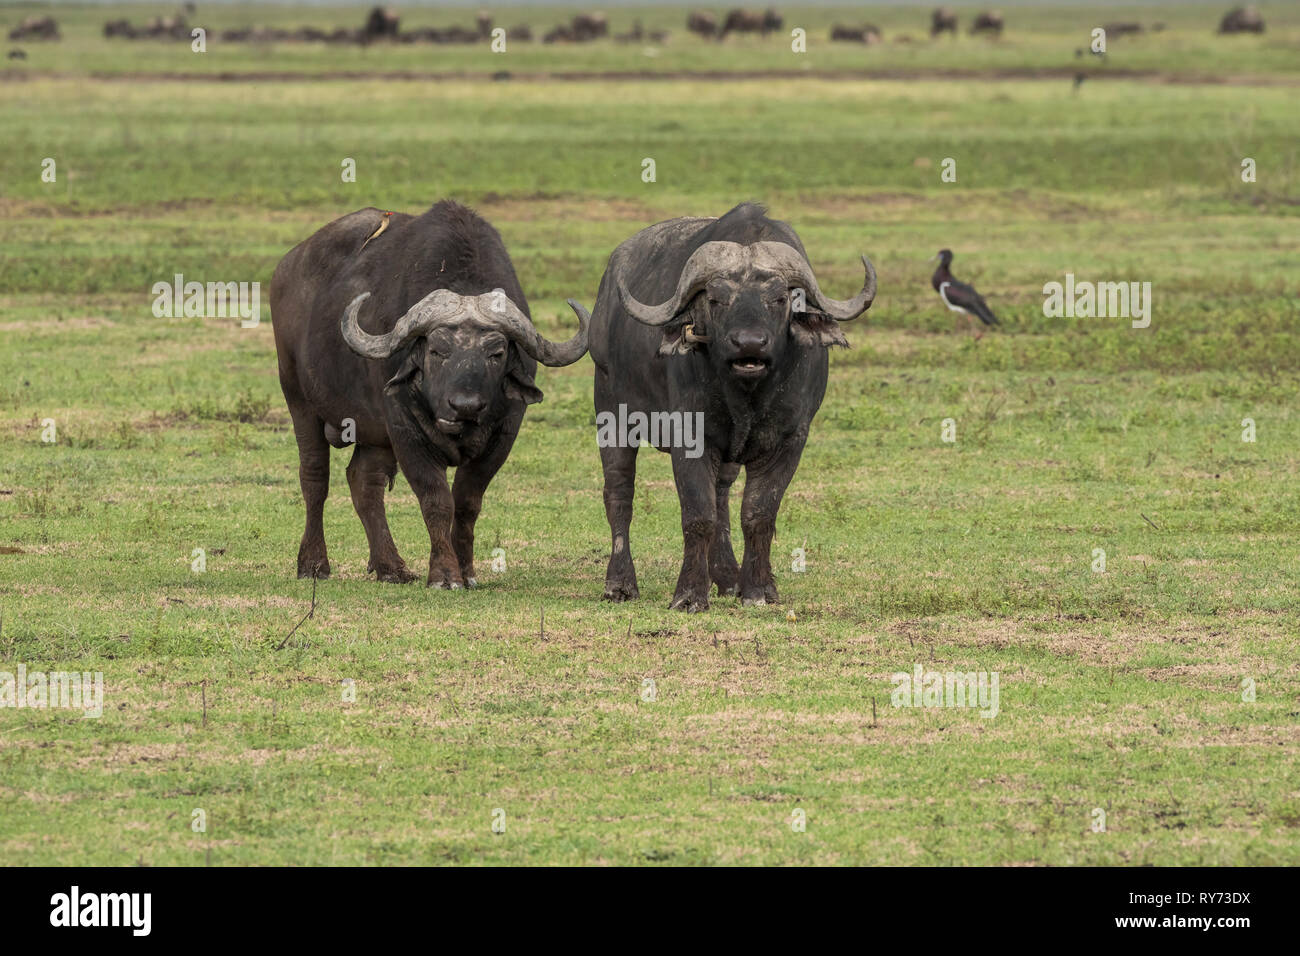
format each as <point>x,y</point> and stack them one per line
<point>721,318</point>
<point>704,24</point>
<point>941,19</point>
<point>413,333</point>
<point>751,21</point>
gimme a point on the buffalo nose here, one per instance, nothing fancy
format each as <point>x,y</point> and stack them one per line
<point>466,406</point>
<point>749,341</point>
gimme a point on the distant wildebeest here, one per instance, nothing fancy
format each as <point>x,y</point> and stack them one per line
<point>381,24</point>
<point>1124,28</point>
<point>36,28</point>
<point>702,24</point>
<point>562,33</point>
<point>17,54</point>
<point>483,21</point>
<point>720,323</point>
<point>410,337</point>
<point>1242,20</point>
<point>589,26</point>
<point>523,33</point>
<point>867,33</point>
<point>943,18</point>
<point>751,21</point>
<point>119,28</point>
<point>990,21</point>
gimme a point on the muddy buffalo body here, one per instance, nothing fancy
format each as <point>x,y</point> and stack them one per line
<point>723,321</point>
<point>410,338</point>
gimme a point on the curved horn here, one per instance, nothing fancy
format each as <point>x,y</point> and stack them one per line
<point>510,320</point>
<point>706,261</point>
<point>787,260</point>
<point>433,310</point>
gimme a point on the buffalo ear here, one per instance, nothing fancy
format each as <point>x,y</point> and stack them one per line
<point>519,382</point>
<point>674,341</point>
<point>817,328</point>
<point>408,368</point>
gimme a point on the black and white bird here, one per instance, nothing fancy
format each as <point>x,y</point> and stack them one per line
<point>959,297</point>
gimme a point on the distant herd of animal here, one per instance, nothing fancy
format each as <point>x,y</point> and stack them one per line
<point>382,24</point>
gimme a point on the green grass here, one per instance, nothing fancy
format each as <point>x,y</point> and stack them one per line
<point>1037,38</point>
<point>1120,690</point>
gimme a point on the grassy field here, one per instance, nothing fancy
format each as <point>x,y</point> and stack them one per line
<point>1036,39</point>
<point>1120,690</point>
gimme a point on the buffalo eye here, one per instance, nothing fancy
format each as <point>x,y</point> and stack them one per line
<point>498,356</point>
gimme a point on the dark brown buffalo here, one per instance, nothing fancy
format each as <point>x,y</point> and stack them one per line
<point>119,28</point>
<point>36,28</point>
<point>381,24</point>
<point>751,21</point>
<point>867,33</point>
<point>1119,29</point>
<point>702,24</point>
<point>990,21</point>
<point>590,26</point>
<point>720,322</point>
<point>1242,20</point>
<point>410,337</point>
<point>943,18</point>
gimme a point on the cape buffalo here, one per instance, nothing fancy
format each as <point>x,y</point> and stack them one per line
<point>436,373</point>
<point>36,28</point>
<point>382,23</point>
<point>868,33</point>
<point>990,21</point>
<point>1242,20</point>
<point>704,24</point>
<point>719,322</point>
<point>751,21</point>
<point>941,19</point>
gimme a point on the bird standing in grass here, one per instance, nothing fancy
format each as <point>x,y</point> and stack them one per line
<point>959,297</point>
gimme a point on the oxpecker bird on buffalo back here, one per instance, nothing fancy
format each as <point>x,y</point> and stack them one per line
<point>723,322</point>
<point>960,297</point>
<point>408,338</point>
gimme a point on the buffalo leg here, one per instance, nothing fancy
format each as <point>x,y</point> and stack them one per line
<point>369,471</point>
<point>765,486</point>
<point>722,559</point>
<point>472,480</point>
<point>619,466</point>
<point>697,483</point>
<point>314,478</point>
<point>428,479</point>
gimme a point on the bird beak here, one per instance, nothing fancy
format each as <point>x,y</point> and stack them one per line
<point>933,257</point>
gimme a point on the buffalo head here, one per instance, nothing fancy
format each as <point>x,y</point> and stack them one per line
<point>746,302</point>
<point>459,351</point>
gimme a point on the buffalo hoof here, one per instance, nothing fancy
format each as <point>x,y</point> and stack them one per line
<point>319,569</point>
<point>689,604</point>
<point>618,593</point>
<point>398,575</point>
<point>754,602</point>
<point>471,582</point>
<point>728,590</point>
<point>446,581</point>
<point>760,595</point>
